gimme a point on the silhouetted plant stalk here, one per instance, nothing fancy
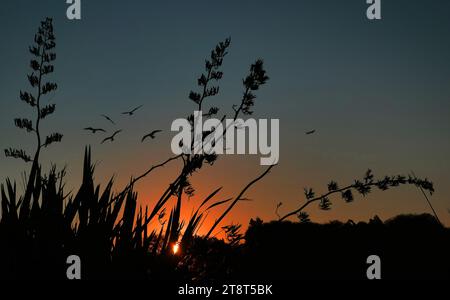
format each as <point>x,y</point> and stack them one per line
<point>256,78</point>
<point>233,234</point>
<point>237,199</point>
<point>363,187</point>
<point>41,65</point>
<point>192,163</point>
<point>428,200</point>
<point>133,181</point>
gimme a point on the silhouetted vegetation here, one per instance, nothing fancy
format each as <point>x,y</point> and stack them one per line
<point>112,242</point>
<point>114,239</point>
<point>410,247</point>
<point>41,65</point>
<point>363,187</point>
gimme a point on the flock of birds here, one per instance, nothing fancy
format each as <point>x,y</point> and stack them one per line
<point>110,138</point>
<point>151,135</point>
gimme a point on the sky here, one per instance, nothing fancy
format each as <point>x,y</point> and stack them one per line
<point>376,92</point>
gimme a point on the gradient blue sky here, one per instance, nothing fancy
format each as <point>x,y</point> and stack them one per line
<point>378,93</point>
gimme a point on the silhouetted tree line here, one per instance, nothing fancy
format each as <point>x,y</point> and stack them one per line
<point>409,246</point>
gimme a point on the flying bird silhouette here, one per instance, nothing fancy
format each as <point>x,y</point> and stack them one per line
<point>131,112</point>
<point>108,118</point>
<point>111,138</point>
<point>151,134</point>
<point>94,130</point>
<point>310,132</point>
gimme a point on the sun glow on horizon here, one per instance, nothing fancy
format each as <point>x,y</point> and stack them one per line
<point>176,248</point>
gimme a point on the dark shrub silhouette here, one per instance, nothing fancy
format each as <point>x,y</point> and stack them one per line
<point>41,66</point>
<point>409,246</point>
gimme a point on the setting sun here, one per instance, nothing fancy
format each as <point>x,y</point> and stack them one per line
<point>176,247</point>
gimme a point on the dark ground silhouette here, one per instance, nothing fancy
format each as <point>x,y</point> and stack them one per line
<point>409,246</point>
